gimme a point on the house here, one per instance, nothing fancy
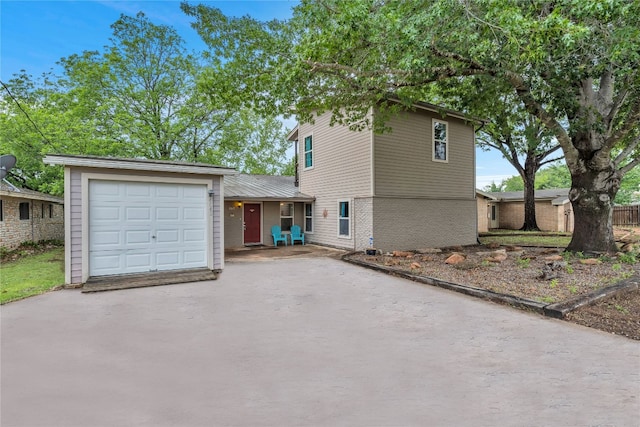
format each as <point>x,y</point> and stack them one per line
<point>506,210</point>
<point>254,203</point>
<point>410,188</point>
<point>127,216</point>
<point>29,216</point>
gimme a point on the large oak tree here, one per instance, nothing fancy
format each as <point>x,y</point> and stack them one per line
<point>573,64</point>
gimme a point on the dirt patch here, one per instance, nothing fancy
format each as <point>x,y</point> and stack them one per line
<point>538,274</point>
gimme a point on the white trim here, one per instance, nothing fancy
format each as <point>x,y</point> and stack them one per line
<point>350,217</point>
<point>304,215</point>
<point>86,177</point>
<point>433,141</point>
<point>221,221</point>
<point>303,149</point>
<point>293,213</point>
<point>261,242</point>
<point>372,165</point>
<point>67,225</point>
<point>138,165</point>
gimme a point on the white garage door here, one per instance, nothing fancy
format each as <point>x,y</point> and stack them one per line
<point>138,227</point>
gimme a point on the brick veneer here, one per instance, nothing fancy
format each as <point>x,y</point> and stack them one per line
<point>14,231</point>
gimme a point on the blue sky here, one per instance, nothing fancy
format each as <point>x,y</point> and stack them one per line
<point>34,35</point>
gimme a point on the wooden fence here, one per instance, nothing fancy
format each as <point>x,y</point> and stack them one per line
<point>626,215</point>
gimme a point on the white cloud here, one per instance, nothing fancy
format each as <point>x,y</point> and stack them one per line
<point>484,180</point>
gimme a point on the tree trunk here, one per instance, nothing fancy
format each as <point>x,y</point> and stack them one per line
<point>529,178</point>
<point>591,196</point>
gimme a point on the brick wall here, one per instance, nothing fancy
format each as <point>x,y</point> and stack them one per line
<point>548,216</point>
<point>14,231</point>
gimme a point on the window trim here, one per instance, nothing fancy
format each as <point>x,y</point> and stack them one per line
<point>20,211</point>
<point>308,217</point>
<point>304,152</point>
<point>348,218</point>
<point>433,141</point>
<point>293,215</point>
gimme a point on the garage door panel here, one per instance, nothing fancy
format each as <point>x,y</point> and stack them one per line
<point>194,235</point>
<point>137,214</point>
<point>168,236</point>
<point>168,214</point>
<point>133,237</point>
<point>138,227</point>
<point>194,257</point>
<point>105,213</point>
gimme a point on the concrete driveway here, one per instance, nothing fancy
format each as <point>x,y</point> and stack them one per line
<point>306,342</point>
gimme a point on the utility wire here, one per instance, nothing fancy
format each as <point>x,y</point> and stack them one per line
<point>25,113</point>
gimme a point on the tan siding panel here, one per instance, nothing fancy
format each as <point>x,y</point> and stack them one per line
<point>403,159</point>
<point>76,226</point>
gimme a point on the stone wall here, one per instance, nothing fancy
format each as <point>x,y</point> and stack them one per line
<point>43,223</point>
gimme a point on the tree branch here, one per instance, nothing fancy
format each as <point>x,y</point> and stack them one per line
<point>631,123</point>
<point>632,164</point>
<point>627,151</point>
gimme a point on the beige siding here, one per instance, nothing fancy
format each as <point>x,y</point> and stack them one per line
<point>233,225</point>
<point>75,211</point>
<point>408,223</point>
<point>218,221</point>
<point>271,217</point>
<point>341,170</point>
<point>403,159</point>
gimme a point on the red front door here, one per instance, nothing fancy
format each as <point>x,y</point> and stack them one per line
<point>252,223</point>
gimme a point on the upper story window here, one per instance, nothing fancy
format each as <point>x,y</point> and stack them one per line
<point>344,219</point>
<point>286,216</point>
<point>440,138</point>
<point>308,152</point>
<point>24,210</point>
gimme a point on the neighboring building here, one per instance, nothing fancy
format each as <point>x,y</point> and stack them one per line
<point>136,216</point>
<point>255,203</point>
<point>410,188</point>
<point>506,210</point>
<point>29,216</point>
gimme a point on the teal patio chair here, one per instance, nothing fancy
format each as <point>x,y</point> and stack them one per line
<point>276,233</point>
<point>296,234</point>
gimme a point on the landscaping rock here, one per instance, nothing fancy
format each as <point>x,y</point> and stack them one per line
<point>402,254</point>
<point>549,251</point>
<point>553,258</point>
<point>498,258</point>
<point>513,248</point>
<point>590,261</point>
<point>628,247</point>
<point>455,258</point>
<point>493,245</point>
<point>415,266</point>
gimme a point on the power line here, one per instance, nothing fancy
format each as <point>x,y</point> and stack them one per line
<point>25,113</point>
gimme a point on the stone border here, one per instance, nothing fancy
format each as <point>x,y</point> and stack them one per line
<point>555,310</point>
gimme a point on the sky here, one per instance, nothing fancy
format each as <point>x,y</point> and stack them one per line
<point>34,35</point>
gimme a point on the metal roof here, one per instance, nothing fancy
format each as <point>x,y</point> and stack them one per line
<point>262,187</point>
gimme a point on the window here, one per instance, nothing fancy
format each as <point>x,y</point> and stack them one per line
<point>24,210</point>
<point>286,216</point>
<point>42,211</point>
<point>50,210</point>
<point>440,141</point>
<point>344,219</point>
<point>1,211</point>
<point>308,218</point>
<point>308,152</point>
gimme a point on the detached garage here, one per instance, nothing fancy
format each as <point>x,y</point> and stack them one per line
<point>130,216</point>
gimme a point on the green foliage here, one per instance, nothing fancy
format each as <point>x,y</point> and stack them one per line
<point>143,96</point>
<point>568,64</point>
<point>628,258</point>
<point>523,262</point>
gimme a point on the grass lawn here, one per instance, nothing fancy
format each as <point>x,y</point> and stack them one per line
<point>524,238</point>
<point>31,275</point>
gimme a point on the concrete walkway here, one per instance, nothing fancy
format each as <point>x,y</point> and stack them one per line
<point>312,341</point>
